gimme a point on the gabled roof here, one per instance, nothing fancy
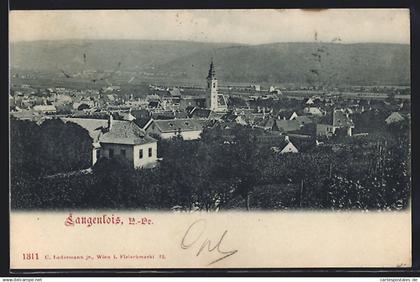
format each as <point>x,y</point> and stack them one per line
<point>394,117</point>
<point>229,117</point>
<point>175,125</point>
<point>154,104</point>
<point>287,125</point>
<point>289,148</point>
<point>303,120</point>
<point>125,132</point>
<point>122,132</point>
<point>175,92</point>
<point>341,119</point>
<point>200,113</point>
<point>93,126</point>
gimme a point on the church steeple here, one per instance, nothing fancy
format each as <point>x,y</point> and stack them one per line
<point>212,72</point>
<point>212,103</point>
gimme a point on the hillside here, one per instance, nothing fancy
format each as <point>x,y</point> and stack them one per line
<point>367,63</point>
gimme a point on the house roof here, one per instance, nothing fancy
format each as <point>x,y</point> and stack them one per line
<point>126,132</point>
<point>140,113</point>
<point>175,125</point>
<point>341,119</point>
<point>44,108</point>
<point>327,119</point>
<point>153,104</point>
<point>200,113</point>
<point>283,125</point>
<point>395,115</point>
<point>289,148</point>
<point>229,117</point>
<point>93,126</point>
<point>287,125</point>
<point>175,92</point>
<point>303,120</point>
<point>122,131</point>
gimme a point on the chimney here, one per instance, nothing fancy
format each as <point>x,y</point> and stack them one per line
<point>110,120</point>
<point>286,138</point>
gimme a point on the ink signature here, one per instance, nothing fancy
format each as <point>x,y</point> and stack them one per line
<point>190,240</point>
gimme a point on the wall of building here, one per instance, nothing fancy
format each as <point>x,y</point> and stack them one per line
<point>106,147</point>
<point>132,153</point>
<point>186,135</point>
<point>145,161</point>
<point>324,130</point>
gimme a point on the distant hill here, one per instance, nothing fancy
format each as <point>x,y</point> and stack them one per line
<point>365,63</point>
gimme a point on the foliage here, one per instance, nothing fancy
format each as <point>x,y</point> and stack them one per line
<point>226,169</point>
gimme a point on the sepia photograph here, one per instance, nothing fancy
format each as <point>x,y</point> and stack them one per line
<point>191,112</point>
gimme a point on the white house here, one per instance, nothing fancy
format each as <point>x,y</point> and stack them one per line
<point>45,108</point>
<point>339,120</point>
<point>285,147</point>
<point>293,116</point>
<point>313,111</point>
<point>188,129</point>
<point>119,138</point>
<point>394,117</point>
<point>289,148</point>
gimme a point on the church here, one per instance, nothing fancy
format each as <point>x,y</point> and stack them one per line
<point>214,101</point>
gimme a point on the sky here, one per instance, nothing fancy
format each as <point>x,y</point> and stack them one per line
<point>233,26</point>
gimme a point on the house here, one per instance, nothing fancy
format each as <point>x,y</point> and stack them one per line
<point>338,120</point>
<point>175,92</point>
<point>153,105</point>
<point>204,114</point>
<point>119,138</point>
<point>289,148</point>
<point>286,146</point>
<point>188,129</point>
<point>313,111</point>
<point>188,101</point>
<point>310,101</point>
<point>232,117</point>
<point>127,116</point>
<point>293,116</point>
<point>199,113</point>
<point>302,120</point>
<point>394,118</point>
<point>45,108</point>
<point>282,125</point>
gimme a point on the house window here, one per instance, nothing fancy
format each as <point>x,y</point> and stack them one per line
<point>150,152</point>
<point>140,153</point>
<point>111,153</point>
<point>123,152</point>
<point>214,84</point>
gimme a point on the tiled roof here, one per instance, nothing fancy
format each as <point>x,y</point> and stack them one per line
<point>122,132</point>
<point>175,125</point>
<point>229,117</point>
<point>283,125</point>
<point>287,125</point>
<point>125,132</point>
<point>175,92</point>
<point>200,113</point>
<point>303,120</point>
<point>93,126</point>
<point>341,119</point>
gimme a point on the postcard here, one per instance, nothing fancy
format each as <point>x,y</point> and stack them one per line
<point>259,138</point>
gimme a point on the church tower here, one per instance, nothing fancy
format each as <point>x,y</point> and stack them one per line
<point>212,89</point>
